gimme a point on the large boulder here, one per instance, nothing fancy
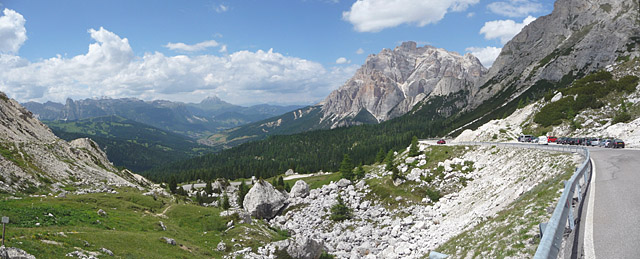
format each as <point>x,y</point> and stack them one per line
<point>263,201</point>
<point>289,172</point>
<point>305,248</point>
<point>299,189</point>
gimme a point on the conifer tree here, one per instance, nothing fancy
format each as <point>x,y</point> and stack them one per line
<point>243,189</point>
<point>389,160</point>
<point>208,188</point>
<point>225,202</point>
<point>414,150</point>
<point>346,167</point>
<point>340,211</point>
<point>359,172</point>
<point>173,184</point>
<point>380,156</point>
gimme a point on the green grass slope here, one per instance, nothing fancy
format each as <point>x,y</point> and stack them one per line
<point>49,227</point>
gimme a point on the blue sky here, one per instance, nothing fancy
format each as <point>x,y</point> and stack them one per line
<point>246,52</point>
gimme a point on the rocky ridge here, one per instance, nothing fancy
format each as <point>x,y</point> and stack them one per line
<point>578,37</point>
<point>33,157</point>
<point>390,83</point>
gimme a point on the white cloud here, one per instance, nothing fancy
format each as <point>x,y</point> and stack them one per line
<point>12,31</point>
<point>110,68</point>
<point>342,60</point>
<point>192,48</point>
<point>486,55</point>
<point>222,8</point>
<point>223,49</point>
<point>504,29</point>
<point>515,8</point>
<point>376,15</point>
<point>360,51</point>
<point>471,14</point>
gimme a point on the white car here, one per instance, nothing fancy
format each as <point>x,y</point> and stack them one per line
<point>542,140</point>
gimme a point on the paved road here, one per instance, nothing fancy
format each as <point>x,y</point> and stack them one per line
<point>615,215</point>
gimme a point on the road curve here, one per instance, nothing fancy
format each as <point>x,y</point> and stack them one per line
<point>616,206</point>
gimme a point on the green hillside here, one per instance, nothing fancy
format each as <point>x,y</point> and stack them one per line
<point>130,144</point>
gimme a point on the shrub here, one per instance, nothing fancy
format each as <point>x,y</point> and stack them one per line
<point>622,117</point>
<point>326,255</point>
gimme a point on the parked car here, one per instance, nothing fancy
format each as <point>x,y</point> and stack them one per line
<point>618,143</point>
<point>525,138</point>
<point>534,140</point>
<point>608,143</point>
<point>442,142</point>
<point>602,142</point>
<point>552,139</point>
<point>594,142</point>
<point>542,140</point>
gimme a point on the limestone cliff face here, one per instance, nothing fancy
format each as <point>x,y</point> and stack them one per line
<point>33,158</point>
<point>390,83</point>
<point>577,37</point>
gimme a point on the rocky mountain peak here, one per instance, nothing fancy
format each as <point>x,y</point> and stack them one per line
<point>391,82</point>
<point>578,37</point>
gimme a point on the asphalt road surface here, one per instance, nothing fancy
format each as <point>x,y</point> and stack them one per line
<point>613,222</point>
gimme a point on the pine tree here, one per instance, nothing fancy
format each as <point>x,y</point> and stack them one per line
<point>340,211</point>
<point>414,150</point>
<point>380,156</point>
<point>280,183</point>
<point>225,202</point>
<point>359,172</point>
<point>208,188</point>
<point>242,191</point>
<point>287,187</point>
<point>346,167</point>
<point>389,160</point>
<point>173,184</point>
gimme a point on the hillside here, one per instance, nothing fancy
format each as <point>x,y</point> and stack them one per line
<point>34,160</point>
<point>194,120</point>
<point>130,144</point>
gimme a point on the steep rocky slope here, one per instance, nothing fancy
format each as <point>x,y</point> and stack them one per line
<point>577,38</point>
<point>33,159</point>
<point>390,83</point>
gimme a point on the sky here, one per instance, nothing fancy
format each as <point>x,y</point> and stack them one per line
<point>243,51</point>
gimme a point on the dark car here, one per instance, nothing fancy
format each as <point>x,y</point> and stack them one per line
<point>618,143</point>
<point>441,142</point>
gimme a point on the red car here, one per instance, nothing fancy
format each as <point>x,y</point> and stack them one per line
<point>441,142</point>
<point>552,139</point>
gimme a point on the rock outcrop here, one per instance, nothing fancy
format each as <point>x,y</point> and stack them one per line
<point>305,248</point>
<point>390,83</point>
<point>578,37</point>
<point>14,253</point>
<point>32,157</point>
<point>264,201</point>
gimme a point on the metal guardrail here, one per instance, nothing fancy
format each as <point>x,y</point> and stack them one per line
<point>552,233</point>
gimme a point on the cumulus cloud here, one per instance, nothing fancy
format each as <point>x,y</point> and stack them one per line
<point>342,60</point>
<point>504,29</point>
<point>110,68</point>
<point>486,55</point>
<point>12,31</point>
<point>192,48</point>
<point>515,8</point>
<point>376,15</point>
<point>360,51</point>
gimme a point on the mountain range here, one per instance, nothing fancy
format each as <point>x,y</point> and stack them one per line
<point>388,85</point>
<point>194,120</point>
<point>578,38</point>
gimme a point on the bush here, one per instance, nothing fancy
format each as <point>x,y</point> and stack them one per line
<point>326,255</point>
<point>622,117</point>
<point>434,195</point>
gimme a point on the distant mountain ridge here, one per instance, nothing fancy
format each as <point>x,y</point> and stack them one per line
<point>195,120</point>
